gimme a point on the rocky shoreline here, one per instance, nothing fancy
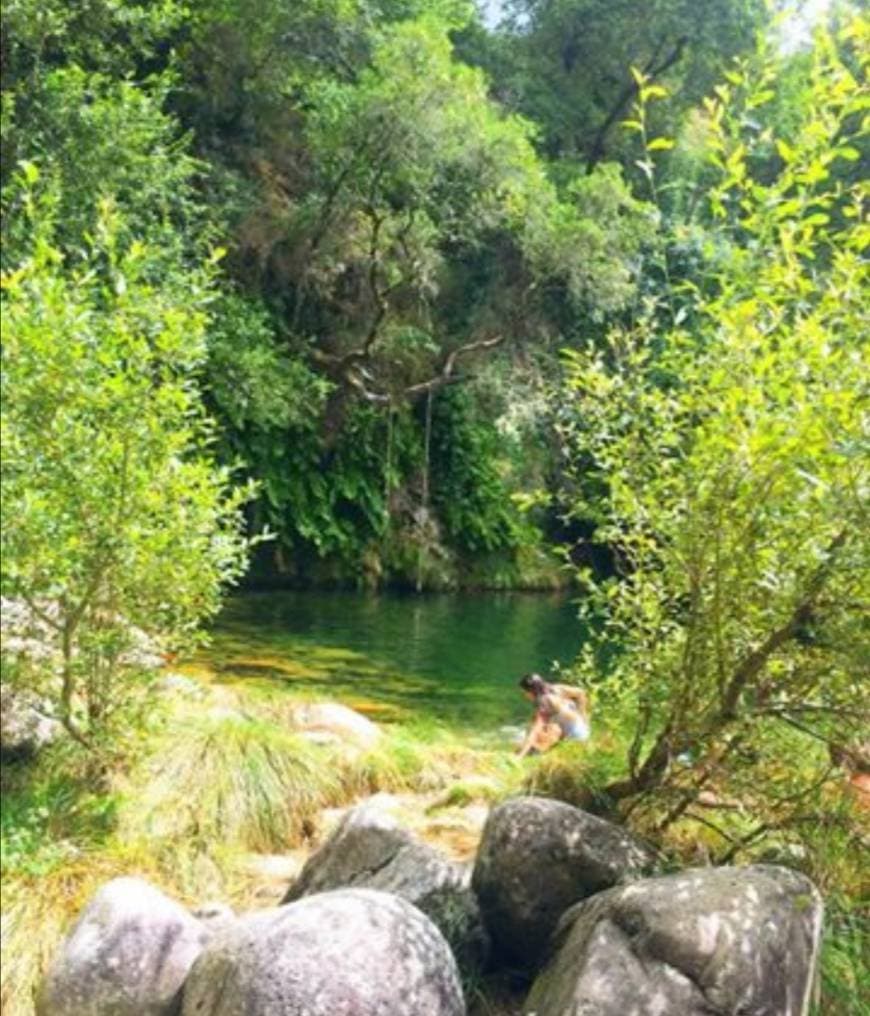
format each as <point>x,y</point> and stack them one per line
<point>568,908</point>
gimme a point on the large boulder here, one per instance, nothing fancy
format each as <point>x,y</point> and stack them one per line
<point>711,940</point>
<point>353,952</point>
<point>127,955</point>
<point>369,850</point>
<point>537,857</point>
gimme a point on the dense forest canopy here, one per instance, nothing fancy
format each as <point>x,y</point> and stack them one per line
<point>416,212</point>
<point>395,218</point>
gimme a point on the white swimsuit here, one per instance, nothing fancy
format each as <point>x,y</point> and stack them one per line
<point>574,726</point>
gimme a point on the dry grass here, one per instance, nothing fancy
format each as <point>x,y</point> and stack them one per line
<point>215,784</point>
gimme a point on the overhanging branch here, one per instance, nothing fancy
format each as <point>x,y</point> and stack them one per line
<point>651,70</point>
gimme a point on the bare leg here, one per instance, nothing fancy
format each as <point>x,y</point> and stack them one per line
<point>548,737</point>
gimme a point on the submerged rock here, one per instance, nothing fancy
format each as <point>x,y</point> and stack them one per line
<point>353,952</point>
<point>368,849</point>
<point>537,857</point>
<point>712,940</point>
<point>128,954</point>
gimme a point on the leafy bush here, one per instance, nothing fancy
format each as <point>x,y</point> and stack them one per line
<point>467,489</point>
<point>120,518</point>
<point>729,459</point>
<point>845,968</point>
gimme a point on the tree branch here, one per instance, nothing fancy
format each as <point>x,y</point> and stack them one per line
<point>672,741</point>
<point>445,375</point>
<point>752,664</point>
<point>629,90</point>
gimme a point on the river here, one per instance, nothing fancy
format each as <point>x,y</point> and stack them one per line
<point>449,658</point>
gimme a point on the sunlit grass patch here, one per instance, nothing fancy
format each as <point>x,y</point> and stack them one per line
<point>473,789</point>
<point>36,915</point>
<point>421,757</point>
<point>233,780</point>
<point>577,772</point>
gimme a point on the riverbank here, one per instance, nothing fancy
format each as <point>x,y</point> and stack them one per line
<point>217,796</point>
<point>227,788</point>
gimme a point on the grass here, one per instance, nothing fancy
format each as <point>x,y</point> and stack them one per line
<point>212,783</point>
<point>218,779</point>
<point>238,781</point>
<point>845,967</point>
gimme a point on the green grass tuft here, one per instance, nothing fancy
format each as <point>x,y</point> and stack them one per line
<point>229,780</point>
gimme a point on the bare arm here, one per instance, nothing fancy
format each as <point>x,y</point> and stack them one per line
<point>538,724</point>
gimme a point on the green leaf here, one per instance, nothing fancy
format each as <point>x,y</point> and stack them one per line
<point>786,153</point>
<point>30,171</point>
<point>652,92</point>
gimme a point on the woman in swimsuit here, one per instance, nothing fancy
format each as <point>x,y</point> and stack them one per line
<point>561,713</point>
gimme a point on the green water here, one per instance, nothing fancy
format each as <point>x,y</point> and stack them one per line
<point>454,659</point>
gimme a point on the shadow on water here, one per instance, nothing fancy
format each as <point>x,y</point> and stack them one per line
<point>453,658</point>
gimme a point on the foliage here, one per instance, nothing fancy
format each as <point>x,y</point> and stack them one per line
<point>845,976</point>
<point>467,488</point>
<point>327,499</point>
<point>255,384</point>
<point>120,518</point>
<point>233,780</point>
<point>96,35</point>
<point>565,63</point>
<point>732,464</point>
<point>99,139</point>
<point>408,169</point>
<point>390,230</point>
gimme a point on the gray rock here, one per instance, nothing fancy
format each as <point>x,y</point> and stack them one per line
<point>127,955</point>
<point>325,720</point>
<point>711,940</point>
<point>353,952</point>
<point>536,858</point>
<point>369,850</point>
<point>214,915</point>
<point>26,725</point>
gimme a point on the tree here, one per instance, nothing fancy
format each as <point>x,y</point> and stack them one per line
<point>115,516</point>
<point>390,230</point>
<point>730,466</point>
<point>565,63</point>
<point>403,180</point>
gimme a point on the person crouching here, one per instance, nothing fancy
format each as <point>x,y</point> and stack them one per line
<point>561,713</point>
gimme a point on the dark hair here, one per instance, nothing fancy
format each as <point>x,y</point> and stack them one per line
<point>534,683</point>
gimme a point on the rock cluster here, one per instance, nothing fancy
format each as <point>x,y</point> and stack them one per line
<point>379,924</point>
<point>369,849</point>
